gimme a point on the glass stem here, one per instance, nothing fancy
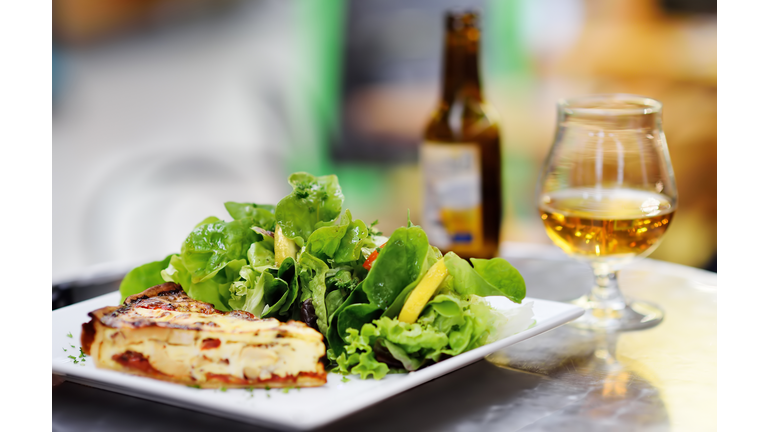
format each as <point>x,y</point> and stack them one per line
<point>605,294</point>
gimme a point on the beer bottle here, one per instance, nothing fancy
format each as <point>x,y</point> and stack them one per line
<point>461,156</point>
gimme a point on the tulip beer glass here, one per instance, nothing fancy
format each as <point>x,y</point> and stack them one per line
<point>607,195</point>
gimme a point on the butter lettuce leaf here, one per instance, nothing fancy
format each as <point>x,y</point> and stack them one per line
<point>340,243</point>
<point>210,247</point>
<point>262,215</point>
<point>238,289</point>
<point>282,293</point>
<point>176,272</point>
<point>143,277</point>
<point>312,278</point>
<point>313,200</point>
<point>214,290</point>
<point>259,254</point>
<point>255,300</point>
<point>325,240</point>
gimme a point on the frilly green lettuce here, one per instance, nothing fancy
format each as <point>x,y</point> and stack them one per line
<point>450,325</point>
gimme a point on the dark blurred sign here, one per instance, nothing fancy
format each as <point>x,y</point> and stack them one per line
<point>707,7</point>
<point>391,77</point>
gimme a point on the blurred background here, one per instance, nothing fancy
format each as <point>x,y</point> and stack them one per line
<point>165,109</point>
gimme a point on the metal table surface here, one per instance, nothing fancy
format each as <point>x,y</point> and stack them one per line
<point>660,379</point>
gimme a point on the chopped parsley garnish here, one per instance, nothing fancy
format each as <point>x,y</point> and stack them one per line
<point>69,335</point>
<point>72,357</point>
<point>267,388</point>
<point>344,379</point>
<point>65,350</point>
<point>222,389</point>
<point>72,346</point>
<point>286,390</point>
<point>197,386</point>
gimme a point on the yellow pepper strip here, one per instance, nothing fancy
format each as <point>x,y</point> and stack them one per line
<point>284,247</point>
<point>423,292</point>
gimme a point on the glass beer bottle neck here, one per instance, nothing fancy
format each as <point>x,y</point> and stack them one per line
<point>461,79</point>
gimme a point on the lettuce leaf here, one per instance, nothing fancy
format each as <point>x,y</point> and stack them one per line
<point>209,291</point>
<point>275,296</point>
<point>401,262</point>
<point>143,277</point>
<point>214,290</point>
<point>340,243</point>
<point>334,300</point>
<point>355,238</point>
<point>341,278</point>
<point>282,293</point>
<point>444,312</point>
<point>211,246</point>
<point>337,332</point>
<point>260,255</point>
<point>255,300</point>
<point>313,200</point>
<point>355,316</point>
<point>263,215</point>
<point>244,210</point>
<point>412,337</point>
<point>502,276</point>
<point>238,289</point>
<point>358,357</point>
<point>433,254</point>
<point>312,278</point>
<point>209,219</point>
<point>176,272</point>
<point>339,282</point>
<point>324,241</point>
<point>410,362</point>
<point>494,277</point>
<point>289,273</point>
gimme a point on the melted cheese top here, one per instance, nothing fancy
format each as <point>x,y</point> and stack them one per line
<point>175,344</point>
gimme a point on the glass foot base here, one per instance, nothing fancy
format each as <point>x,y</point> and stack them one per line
<point>635,315</point>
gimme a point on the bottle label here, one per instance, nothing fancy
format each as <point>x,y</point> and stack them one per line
<point>452,213</point>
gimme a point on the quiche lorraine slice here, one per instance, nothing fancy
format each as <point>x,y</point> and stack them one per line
<point>161,333</point>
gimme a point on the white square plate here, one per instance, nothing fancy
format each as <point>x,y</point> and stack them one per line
<point>302,409</point>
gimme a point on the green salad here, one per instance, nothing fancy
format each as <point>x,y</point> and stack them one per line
<point>384,304</point>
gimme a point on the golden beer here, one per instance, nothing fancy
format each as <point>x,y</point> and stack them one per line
<point>606,224</point>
